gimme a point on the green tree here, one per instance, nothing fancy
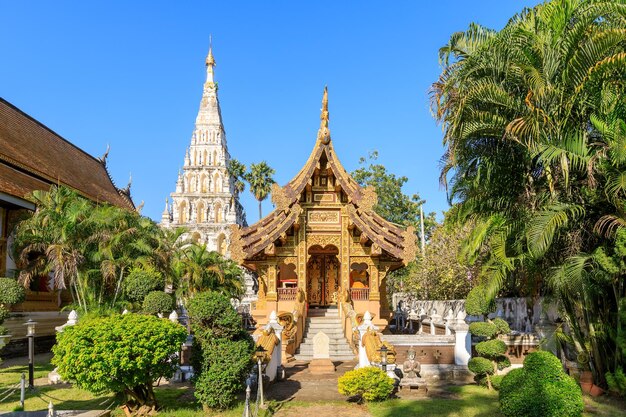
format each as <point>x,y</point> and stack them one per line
<point>533,119</point>
<point>442,273</point>
<point>237,170</point>
<point>393,204</point>
<point>260,180</point>
<point>124,354</point>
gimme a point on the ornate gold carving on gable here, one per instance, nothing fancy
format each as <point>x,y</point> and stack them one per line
<point>324,197</point>
<point>323,240</point>
<point>236,249</point>
<point>280,198</point>
<point>323,216</point>
<point>368,199</point>
<point>410,245</point>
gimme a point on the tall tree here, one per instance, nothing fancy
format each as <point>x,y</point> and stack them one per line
<point>393,204</point>
<point>237,170</point>
<point>533,156</point>
<point>260,178</point>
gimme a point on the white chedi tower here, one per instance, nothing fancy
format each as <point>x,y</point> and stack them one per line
<point>205,201</point>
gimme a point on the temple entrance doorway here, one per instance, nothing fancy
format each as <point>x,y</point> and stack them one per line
<point>322,276</point>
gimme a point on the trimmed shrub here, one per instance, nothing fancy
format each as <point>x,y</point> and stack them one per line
<point>369,383</point>
<point>158,302</point>
<point>483,329</point>
<point>140,282</point>
<point>540,389</point>
<point>213,316</point>
<point>481,367</point>
<point>491,348</point>
<point>477,303</point>
<point>226,366</point>
<point>11,292</point>
<point>496,381</point>
<point>501,326</point>
<point>222,351</point>
<point>123,354</point>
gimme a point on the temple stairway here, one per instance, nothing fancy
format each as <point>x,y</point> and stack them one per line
<point>327,321</point>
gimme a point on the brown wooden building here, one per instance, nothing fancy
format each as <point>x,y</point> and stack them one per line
<point>323,238</point>
<point>33,157</point>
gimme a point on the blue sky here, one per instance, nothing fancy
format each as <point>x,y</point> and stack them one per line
<point>130,74</point>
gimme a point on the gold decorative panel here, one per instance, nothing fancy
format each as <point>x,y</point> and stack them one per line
<point>323,216</point>
<point>323,240</point>
<point>324,197</point>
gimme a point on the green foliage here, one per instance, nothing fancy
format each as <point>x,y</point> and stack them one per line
<point>501,326</point>
<point>141,281</point>
<point>496,381</point>
<point>222,351</point>
<point>440,274</point>
<point>123,354</point>
<point>534,120</point>
<point>483,329</point>
<point>158,302</point>
<point>369,383</point>
<point>479,303</point>
<point>491,349</point>
<point>617,382</point>
<point>480,366</point>
<point>260,178</point>
<point>225,367</point>
<point>393,204</point>
<point>11,292</point>
<point>213,316</point>
<point>540,389</point>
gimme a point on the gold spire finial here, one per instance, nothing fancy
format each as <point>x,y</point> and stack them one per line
<point>324,133</point>
<point>210,61</point>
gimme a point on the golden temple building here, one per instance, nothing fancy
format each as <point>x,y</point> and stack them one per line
<point>323,240</point>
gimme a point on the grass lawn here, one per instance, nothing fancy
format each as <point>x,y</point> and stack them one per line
<point>178,401</point>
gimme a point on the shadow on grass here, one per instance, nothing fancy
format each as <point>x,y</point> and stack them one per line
<point>11,376</point>
<point>473,402</point>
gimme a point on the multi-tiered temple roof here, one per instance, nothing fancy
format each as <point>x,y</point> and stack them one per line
<point>397,242</point>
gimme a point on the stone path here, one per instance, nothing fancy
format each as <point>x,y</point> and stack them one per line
<point>325,410</point>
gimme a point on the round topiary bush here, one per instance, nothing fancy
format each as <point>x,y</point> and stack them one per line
<point>540,389</point>
<point>477,303</point>
<point>142,281</point>
<point>481,367</point>
<point>212,316</point>
<point>483,329</point>
<point>369,383</point>
<point>11,292</point>
<point>158,302</point>
<point>502,326</point>
<point>124,354</point>
<point>491,348</point>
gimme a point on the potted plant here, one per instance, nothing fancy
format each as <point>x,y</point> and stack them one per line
<point>586,377</point>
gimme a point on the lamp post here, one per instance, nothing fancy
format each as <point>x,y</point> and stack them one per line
<point>30,333</point>
<point>260,355</point>
<point>383,357</point>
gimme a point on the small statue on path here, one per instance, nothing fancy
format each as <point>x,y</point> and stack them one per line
<point>411,367</point>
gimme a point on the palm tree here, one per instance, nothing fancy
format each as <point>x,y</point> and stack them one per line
<point>529,115</point>
<point>260,180</point>
<point>237,170</point>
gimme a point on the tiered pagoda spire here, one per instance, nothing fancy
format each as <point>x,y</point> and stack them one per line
<point>205,200</point>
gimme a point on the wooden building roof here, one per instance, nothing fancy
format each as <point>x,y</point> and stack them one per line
<point>33,157</point>
<point>397,241</point>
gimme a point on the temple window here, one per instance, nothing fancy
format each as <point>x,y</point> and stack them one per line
<point>214,157</point>
<point>287,277</point>
<point>182,212</point>
<point>200,213</point>
<point>218,213</point>
<point>203,183</point>
<point>221,244</point>
<point>218,183</point>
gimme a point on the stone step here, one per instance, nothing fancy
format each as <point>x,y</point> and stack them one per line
<point>332,341</point>
<point>332,352</point>
<point>332,358</point>
<point>319,326</point>
<point>323,320</point>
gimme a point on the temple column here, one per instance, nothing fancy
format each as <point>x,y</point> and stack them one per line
<point>300,244</point>
<point>345,251</point>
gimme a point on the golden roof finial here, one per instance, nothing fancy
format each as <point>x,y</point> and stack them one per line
<point>324,133</point>
<point>209,59</point>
